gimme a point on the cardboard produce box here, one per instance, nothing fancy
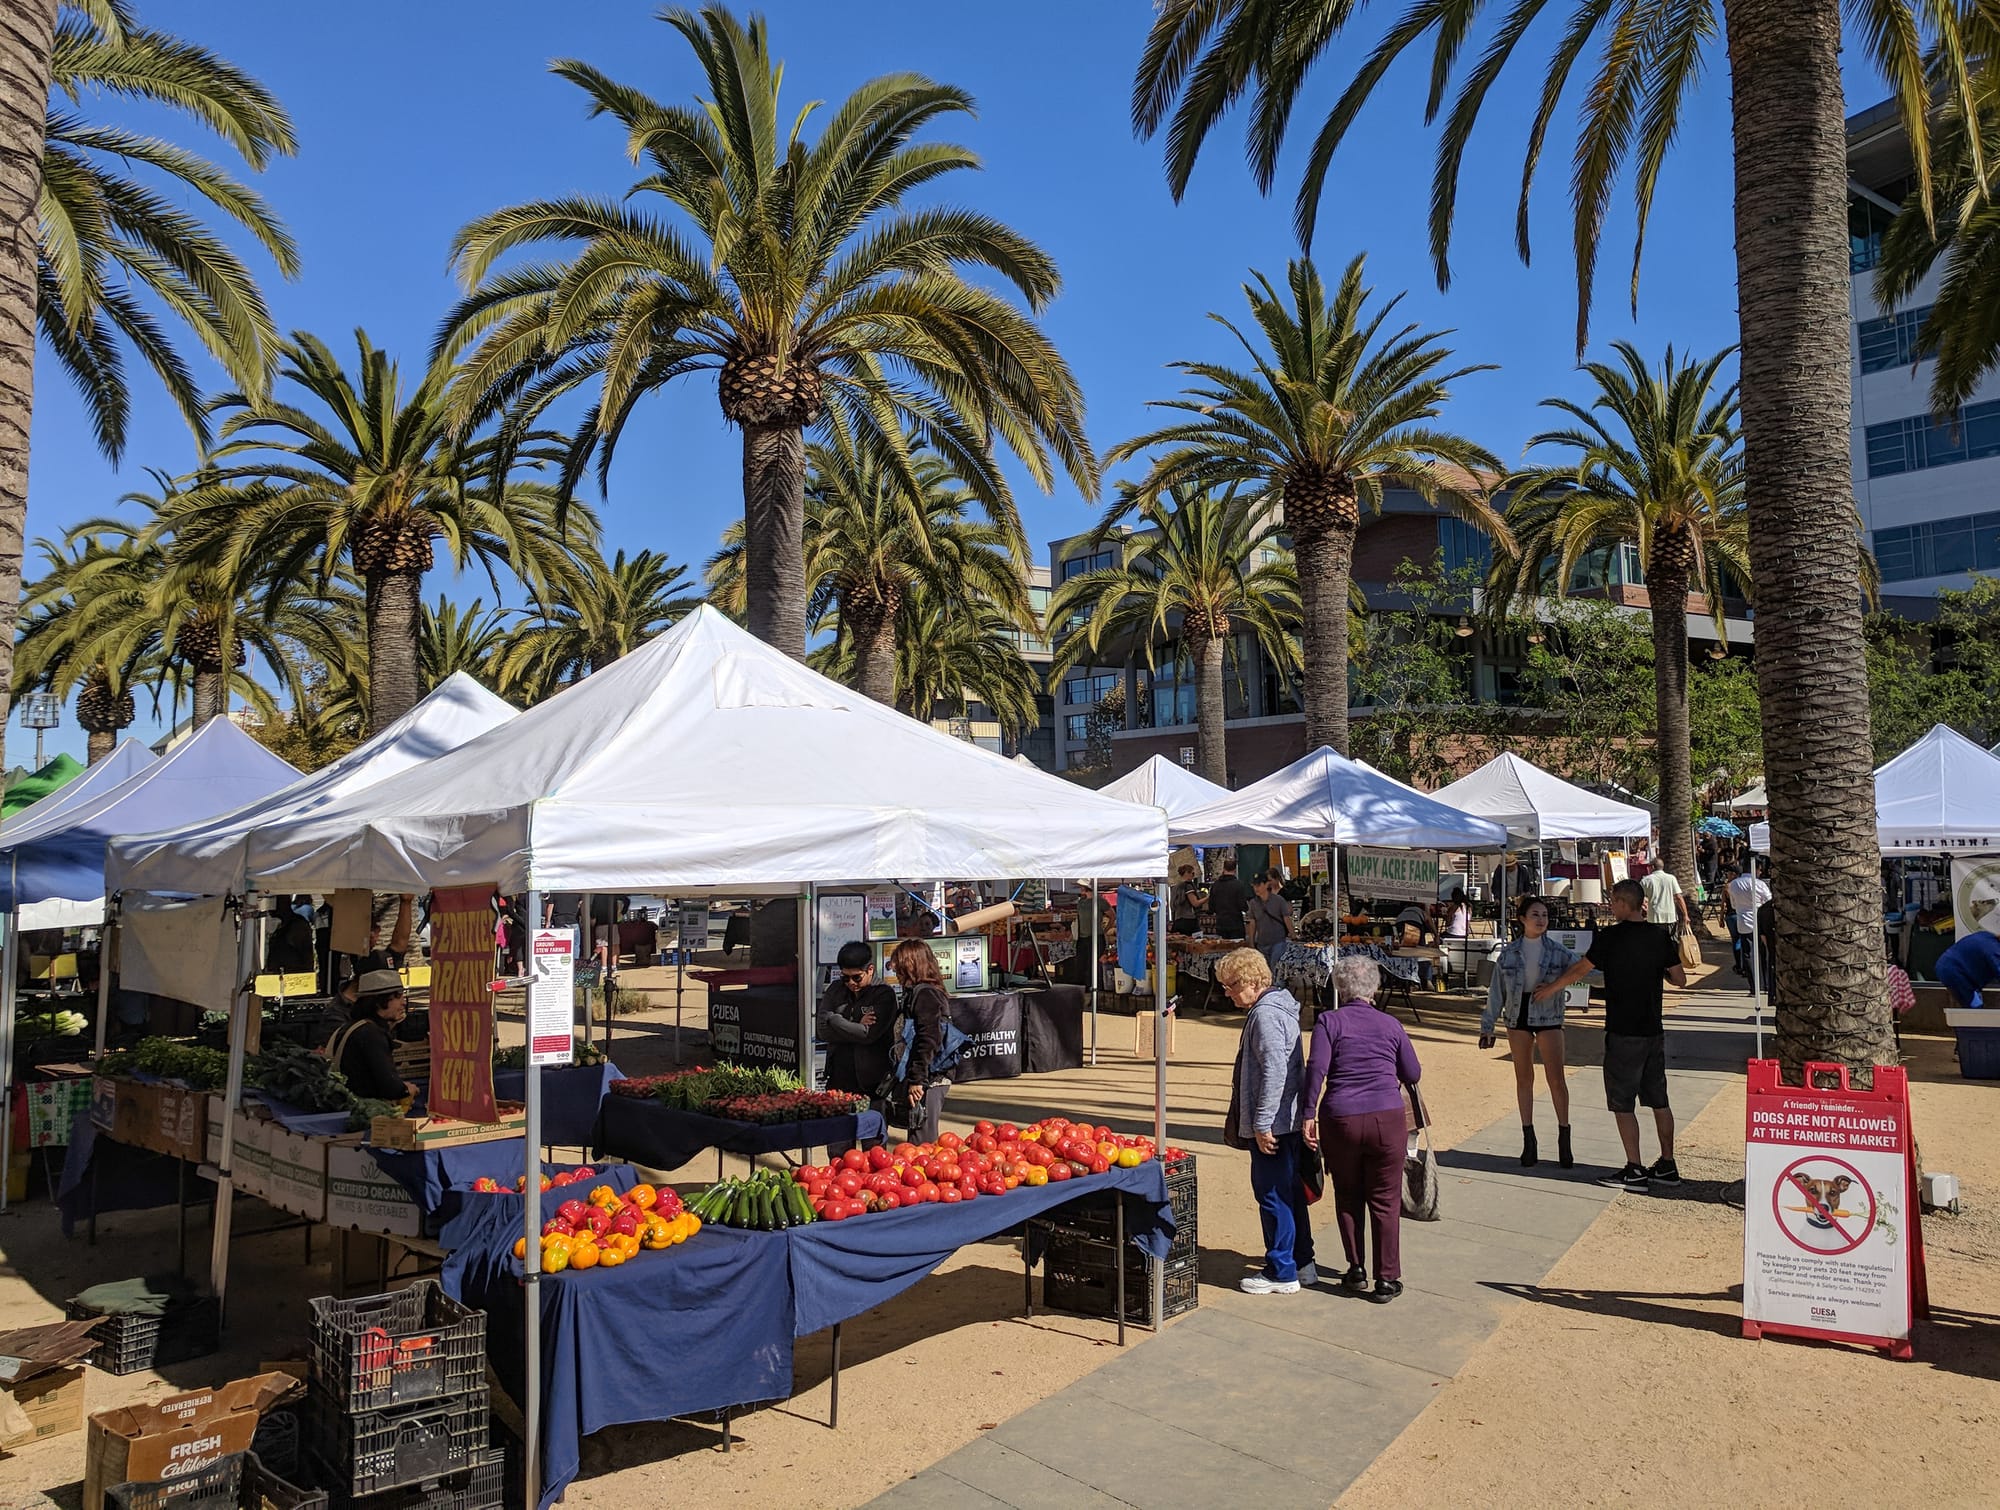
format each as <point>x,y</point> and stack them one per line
<point>284,1169</point>
<point>41,1381</point>
<point>362,1198</point>
<point>179,1435</point>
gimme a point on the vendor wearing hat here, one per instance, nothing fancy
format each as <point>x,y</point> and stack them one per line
<point>363,1051</point>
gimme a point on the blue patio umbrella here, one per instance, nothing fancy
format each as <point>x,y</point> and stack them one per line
<point>1720,827</point>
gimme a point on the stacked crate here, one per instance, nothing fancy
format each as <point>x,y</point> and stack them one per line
<point>396,1416</point>
<point>1079,1271</point>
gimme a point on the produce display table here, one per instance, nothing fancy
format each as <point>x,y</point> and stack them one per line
<point>642,1130</point>
<point>709,1324</point>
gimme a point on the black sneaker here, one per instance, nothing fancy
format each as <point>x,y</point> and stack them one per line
<point>1631,1177</point>
<point>1355,1278</point>
<point>1385,1291</point>
<point>1666,1172</point>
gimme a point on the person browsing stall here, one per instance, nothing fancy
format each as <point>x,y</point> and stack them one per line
<point>1270,917</point>
<point>364,1050</point>
<point>1271,1118</point>
<point>1970,968</point>
<point>1228,899</point>
<point>1637,958</point>
<point>1189,899</point>
<point>916,970</point>
<point>856,1016</point>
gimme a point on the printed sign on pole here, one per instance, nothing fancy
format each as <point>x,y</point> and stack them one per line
<point>881,909</point>
<point>462,1004</point>
<point>1401,875</point>
<point>552,997</point>
<point>691,924</point>
<point>1832,1246</point>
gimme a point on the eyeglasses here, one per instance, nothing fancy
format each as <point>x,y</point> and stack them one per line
<point>854,977</point>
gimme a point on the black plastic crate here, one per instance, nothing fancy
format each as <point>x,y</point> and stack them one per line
<point>276,1442</point>
<point>239,1481</point>
<point>1078,1276</point>
<point>483,1486</point>
<point>131,1344</point>
<point>395,1349</point>
<point>372,1451</point>
<point>1096,1218</point>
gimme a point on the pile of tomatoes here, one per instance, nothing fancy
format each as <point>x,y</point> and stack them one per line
<point>991,1160</point>
<point>606,1228</point>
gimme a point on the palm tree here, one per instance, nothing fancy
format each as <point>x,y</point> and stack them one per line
<point>798,275</point>
<point>1332,411</point>
<point>613,609</point>
<point>1793,282</point>
<point>1208,565</point>
<point>952,652</point>
<point>372,480</point>
<point>454,638</point>
<point>90,250</point>
<point>1657,463</point>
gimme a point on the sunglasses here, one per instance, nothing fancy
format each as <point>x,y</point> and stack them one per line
<point>854,977</point>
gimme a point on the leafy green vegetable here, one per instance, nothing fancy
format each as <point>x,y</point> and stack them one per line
<point>197,1068</point>
<point>298,1077</point>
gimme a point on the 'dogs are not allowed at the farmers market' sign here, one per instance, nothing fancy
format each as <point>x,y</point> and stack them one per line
<point>1832,1246</point>
<point>1401,875</point>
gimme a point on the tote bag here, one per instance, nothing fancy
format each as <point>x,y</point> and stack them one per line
<point>1420,1166</point>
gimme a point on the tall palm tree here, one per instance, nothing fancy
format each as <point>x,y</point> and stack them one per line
<point>1207,565</point>
<point>1655,461</point>
<point>1332,411</point>
<point>454,638</point>
<point>797,273</point>
<point>1792,271</point>
<point>90,252</point>
<point>952,652</point>
<point>613,609</point>
<point>367,474</point>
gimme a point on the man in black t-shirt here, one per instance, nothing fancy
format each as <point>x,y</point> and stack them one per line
<point>1227,899</point>
<point>1637,959</point>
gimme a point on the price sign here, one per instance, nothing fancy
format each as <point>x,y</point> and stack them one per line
<point>552,997</point>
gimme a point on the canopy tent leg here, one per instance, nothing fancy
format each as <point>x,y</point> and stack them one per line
<point>104,972</point>
<point>239,1039</point>
<point>807,968</point>
<point>531,1229</point>
<point>1096,962</point>
<point>1161,1028</point>
<point>1756,987</point>
<point>10,959</point>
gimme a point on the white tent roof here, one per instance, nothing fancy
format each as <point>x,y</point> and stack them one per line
<point>1325,798</point>
<point>708,760</point>
<point>1536,806</point>
<point>1753,798</point>
<point>1161,782</point>
<point>208,858</point>
<point>1943,793</point>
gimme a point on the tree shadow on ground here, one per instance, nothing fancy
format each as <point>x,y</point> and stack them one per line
<point>1651,1307</point>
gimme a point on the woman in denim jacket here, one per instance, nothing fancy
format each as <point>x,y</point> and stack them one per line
<point>1529,961</point>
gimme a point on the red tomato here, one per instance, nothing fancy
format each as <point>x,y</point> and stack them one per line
<point>849,1182</point>
<point>878,1157</point>
<point>891,1199</point>
<point>1098,1163</point>
<point>854,1158</point>
<point>949,1140</point>
<point>835,1211</point>
<point>1058,1170</point>
<point>951,1195</point>
<point>983,1127</point>
<point>1006,1131</point>
<point>914,1177</point>
<point>929,1193</point>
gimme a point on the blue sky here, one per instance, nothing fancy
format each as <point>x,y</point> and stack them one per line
<point>413,117</point>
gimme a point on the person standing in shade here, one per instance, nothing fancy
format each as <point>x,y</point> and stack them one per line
<point>1637,959</point>
<point>1228,899</point>
<point>1271,1118</point>
<point>855,1018</point>
<point>1270,917</point>
<point>1189,899</point>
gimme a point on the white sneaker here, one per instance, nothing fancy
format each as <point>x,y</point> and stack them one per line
<point>1309,1276</point>
<point>1257,1284</point>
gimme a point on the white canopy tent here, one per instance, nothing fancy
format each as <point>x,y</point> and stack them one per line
<point>1753,798</point>
<point>1161,782</point>
<point>1535,806</point>
<point>705,761</point>
<point>126,761</point>
<point>1940,795</point>
<point>1325,798</point>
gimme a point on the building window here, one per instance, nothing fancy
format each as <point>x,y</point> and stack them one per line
<point>1080,691</point>
<point>1464,545</point>
<point>1910,445</point>
<point>1866,222</point>
<point>1076,566</point>
<point>1939,548</point>
<point>1891,341</point>
<point>1076,728</point>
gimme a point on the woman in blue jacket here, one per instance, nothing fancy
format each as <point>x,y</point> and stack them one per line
<point>1530,961</point>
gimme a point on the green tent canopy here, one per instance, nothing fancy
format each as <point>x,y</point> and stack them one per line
<point>29,790</point>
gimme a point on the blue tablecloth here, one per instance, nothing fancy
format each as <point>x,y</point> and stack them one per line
<point>127,1179</point>
<point>709,1323</point>
<point>642,1130</point>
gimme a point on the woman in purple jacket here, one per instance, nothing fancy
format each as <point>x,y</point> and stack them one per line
<point>1361,1060</point>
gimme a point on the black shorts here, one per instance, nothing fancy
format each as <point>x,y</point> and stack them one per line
<point>1635,1069</point>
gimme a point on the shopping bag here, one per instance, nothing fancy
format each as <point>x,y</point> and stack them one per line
<point>1420,1166</point>
<point>1312,1174</point>
<point>1232,1118</point>
<point>1690,949</point>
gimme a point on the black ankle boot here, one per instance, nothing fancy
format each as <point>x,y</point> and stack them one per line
<point>1563,1156</point>
<point>1528,1153</point>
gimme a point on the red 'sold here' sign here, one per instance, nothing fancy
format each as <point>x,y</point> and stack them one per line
<point>462,1004</point>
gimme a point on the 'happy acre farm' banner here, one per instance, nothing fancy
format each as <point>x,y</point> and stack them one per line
<point>462,1004</point>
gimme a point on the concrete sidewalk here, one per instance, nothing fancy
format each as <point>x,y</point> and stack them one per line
<point>1282,1401</point>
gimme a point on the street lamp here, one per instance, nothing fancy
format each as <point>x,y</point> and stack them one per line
<point>40,711</point>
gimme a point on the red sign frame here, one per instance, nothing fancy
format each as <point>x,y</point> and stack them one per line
<point>462,1005</point>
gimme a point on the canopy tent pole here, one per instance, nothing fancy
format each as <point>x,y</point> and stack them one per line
<point>239,1040</point>
<point>808,967</point>
<point>1756,981</point>
<point>104,972</point>
<point>1096,962</point>
<point>531,1229</point>
<point>1160,1031</point>
<point>10,959</point>
<point>589,925</point>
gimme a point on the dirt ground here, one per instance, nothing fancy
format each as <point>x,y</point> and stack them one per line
<point>927,1372</point>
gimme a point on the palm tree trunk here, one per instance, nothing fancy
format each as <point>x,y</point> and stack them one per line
<point>1326,561</point>
<point>774,524</point>
<point>395,612</point>
<point>101,743</point>
<point>1211,761</point>
<point>1793,283</point>
<point>874,650</point>
<point>27,32</point>
<point>1672,745</point>
<point>211,692</point>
